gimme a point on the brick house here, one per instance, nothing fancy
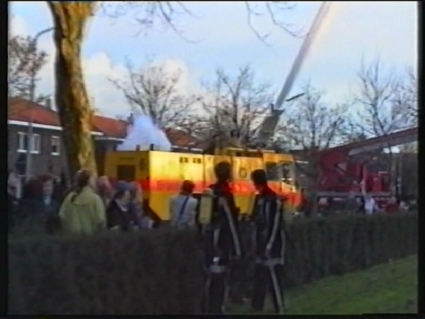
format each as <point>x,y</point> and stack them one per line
<point>48,154</point>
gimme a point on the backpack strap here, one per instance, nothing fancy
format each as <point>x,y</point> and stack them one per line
<point>182,210</point>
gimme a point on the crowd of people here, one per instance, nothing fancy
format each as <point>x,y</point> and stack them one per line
<point>365,204</point>
<point>91,204</point>
<point>47,206</point>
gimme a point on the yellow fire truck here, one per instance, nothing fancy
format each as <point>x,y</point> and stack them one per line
<point>160,173</point>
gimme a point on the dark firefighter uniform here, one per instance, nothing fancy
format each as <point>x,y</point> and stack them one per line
<point>269,249</point>
<point>222,244</point>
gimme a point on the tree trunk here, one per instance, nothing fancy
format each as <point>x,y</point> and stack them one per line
<point>70,92</point>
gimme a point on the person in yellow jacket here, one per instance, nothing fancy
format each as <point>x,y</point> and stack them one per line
<point>83,212</point>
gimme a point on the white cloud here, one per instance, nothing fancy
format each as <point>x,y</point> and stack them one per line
<point>18,25</point>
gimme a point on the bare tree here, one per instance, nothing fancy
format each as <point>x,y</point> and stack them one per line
<point>24,59</point>
<point>382,107</point>
<point>312,126</point>
<point>155,93</point>
<point>407,97</point>
<point>70,19</point>
<point>383,103</point>
<point>409,94</point>
<point>236,106</point>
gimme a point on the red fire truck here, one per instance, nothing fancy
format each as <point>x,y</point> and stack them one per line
<point>347,169</point>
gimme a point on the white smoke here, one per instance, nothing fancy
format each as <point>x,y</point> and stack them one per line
<point>142,133</point>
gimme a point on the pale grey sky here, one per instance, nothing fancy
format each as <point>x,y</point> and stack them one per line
<point>358,29</point>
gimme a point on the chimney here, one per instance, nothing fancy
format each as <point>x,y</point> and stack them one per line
<point>48,103</point>
<point>130,119</point>
<point>130,122</point>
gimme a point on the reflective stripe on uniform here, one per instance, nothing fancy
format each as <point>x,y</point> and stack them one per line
<point>223,203</point>
<point>254,238</point>
<point>269,261</point>
<point>226,296</point>
<point>217,269</point>
<point>282,234</point>
<point>276,289</point>
<point>207,293</point>
<point>216,237</point>
<point>275,226</point>
<point>273,262</point>
<point>267,213</point>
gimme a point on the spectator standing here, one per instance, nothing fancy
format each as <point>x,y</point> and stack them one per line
<point>30,218</point>
<point>183,207</point>
<point>142,221</point>
<point>12,200</point>
<point>82,211</point>
<point>392,206</point>
<point>12,184</point>
<point>352,204</point>
<point>119,214</point>
<point>50,204</point>
<point>105,190</point>
<point>403,206</point>
<point>370,205</point>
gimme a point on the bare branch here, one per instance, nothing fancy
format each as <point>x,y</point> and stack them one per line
<point>155,93</point>
<point>272,10</point>
<point>234,106</point>
<point>148,13</point>
<point>24,59</point>
<point>382,100</point>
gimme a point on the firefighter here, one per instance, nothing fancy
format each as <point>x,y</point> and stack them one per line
<point>269,244</point>
<point>221,240</point>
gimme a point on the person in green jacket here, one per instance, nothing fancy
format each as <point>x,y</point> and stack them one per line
<point>82,211</point>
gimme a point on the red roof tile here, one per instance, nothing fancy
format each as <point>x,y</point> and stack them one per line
<point>20,110</point>
<point>110,127</point>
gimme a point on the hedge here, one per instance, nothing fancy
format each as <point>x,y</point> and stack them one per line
<point>152,272</point>
<point>322,247</point>
<point>160,272</point>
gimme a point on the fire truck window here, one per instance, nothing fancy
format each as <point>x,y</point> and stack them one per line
<point>126,173</point>
<point>287,169</point>
<point>272,172</point>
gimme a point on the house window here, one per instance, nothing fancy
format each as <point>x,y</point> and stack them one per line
<point>56,145</point>
<point>23,143</point>
<point>36,143</point>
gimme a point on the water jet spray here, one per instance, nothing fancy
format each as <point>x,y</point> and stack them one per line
<point>269,124</point>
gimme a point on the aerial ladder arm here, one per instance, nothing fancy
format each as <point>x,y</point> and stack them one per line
<point>267,128</point>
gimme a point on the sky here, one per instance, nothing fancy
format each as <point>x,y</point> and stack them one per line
<point>356,30</point>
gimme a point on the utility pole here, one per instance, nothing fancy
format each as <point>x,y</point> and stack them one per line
<point>33,73</point>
